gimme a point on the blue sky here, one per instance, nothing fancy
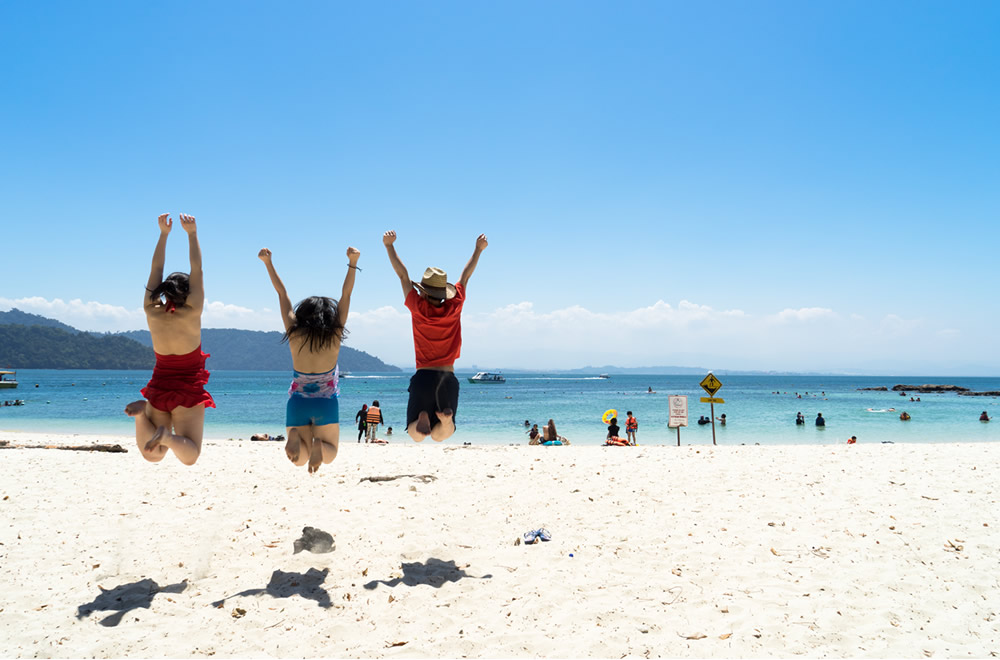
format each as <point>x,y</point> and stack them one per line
<point>750,185</point>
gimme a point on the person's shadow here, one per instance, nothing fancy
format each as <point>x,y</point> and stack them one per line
<point>125,598</point>
<point>285,585</point>
<point>433,572</point>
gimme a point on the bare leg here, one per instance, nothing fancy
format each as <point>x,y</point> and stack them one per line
<point>144,431</point>
<point>328,439</point>
<point>188,429</point>
<point>296,447</point>
<point>444,430</point>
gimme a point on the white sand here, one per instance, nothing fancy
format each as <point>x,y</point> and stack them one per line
<point>863,551</point>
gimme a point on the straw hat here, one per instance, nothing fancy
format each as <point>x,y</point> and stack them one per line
<point>435,285</point>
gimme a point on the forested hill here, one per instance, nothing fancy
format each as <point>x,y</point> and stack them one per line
<point>17,317</point>
<point>43,347</point>
<point>253,350</point>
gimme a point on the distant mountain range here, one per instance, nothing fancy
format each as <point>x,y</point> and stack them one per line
<point>30,341</point>
<point>252,350</point>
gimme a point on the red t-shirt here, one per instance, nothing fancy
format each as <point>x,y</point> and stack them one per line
<point>437,331</point>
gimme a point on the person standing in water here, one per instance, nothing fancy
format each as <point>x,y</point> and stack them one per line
<point>314,331</point>
<point>436,311</point>
<point>171,416</point>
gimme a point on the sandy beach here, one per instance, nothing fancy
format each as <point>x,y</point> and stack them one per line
<point>860,551</point>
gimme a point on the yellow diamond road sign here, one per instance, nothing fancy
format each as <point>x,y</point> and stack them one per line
<point>711,384</point>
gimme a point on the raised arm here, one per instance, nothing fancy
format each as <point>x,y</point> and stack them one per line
<point>388,238</point>
<point>470,267</point>
<point>284,303</point>
<point>159,257</point>
<point>344,305</point>
<point>196,293</point>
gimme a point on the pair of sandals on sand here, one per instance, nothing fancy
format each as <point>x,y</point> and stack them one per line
<point>536,534</point>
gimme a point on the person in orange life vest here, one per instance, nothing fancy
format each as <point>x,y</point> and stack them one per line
<point>436,311</point>
<point>631,426</point>
<point>372,420</point>
<point>172,414</point>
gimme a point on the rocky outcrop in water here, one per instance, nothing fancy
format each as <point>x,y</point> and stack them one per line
<point>979,393</point>
<point>873,389</point>
<point>929,388</point>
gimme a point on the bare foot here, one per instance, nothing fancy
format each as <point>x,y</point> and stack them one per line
<point>154,442</point>
<point>136,408</point>
<point>293,446</point>
<point>423,423</point>
<point>316,455</point>
<point>445,416</point>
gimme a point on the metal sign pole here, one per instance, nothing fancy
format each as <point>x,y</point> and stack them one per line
<point>713,422</point>
<point>678,436</point>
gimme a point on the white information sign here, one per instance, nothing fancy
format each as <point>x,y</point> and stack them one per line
<point>678,404</point>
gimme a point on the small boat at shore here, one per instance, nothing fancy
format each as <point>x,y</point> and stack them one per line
<point>485,377</point>
<point>8,380</point>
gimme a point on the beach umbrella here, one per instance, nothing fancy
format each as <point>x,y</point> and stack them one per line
<point>608,415</point>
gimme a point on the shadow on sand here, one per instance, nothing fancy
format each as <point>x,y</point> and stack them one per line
<point>285,585</point>
<point>434,572</point>
<point>125,598</point>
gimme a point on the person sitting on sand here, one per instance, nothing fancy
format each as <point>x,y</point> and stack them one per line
<point>852,440</point>
<point>550,436</point>
<point>533,435</point>
<point>984,417</point>
<point>314,331</point>
<point>436,311</point>
<point>172,414</point>
<point>613,429</point>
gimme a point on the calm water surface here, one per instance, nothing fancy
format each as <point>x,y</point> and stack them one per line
<point>253,401</point>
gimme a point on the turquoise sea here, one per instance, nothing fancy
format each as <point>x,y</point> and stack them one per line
<point>252,401</point>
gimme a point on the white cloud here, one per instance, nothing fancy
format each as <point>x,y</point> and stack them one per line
<point>521,335</point>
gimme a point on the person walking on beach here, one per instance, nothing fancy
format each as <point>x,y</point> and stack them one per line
<point>373,419</point>
<point>436,311</point>
<point>361,418</point>
<point>631,426</point>
<point>314,331</point>
<point>171,416</point>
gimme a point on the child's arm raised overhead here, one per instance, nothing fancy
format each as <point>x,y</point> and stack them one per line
<point>284,303</point>
<point>344,304</point>
<point>481,244</point>
<point>388,238</point>
<point>159,258</point>
<point>196,291</point>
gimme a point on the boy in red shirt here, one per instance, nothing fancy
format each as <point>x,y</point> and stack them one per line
<point>436,310</point>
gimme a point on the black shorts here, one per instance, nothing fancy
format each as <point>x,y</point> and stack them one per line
<point>431,391</point>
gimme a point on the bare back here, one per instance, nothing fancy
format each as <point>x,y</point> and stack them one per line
<point>173,333</point>
<point>308,362</point>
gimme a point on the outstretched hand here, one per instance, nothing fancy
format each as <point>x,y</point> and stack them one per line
<point>388,238</point>
<point>353,254</point>
<point>264,255</point>
<point>481,242</point>
<point>187,222</point>
<point>166,224</point>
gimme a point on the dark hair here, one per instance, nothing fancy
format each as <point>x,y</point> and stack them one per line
<point>552,430</point>
<point>175,289</point>
<point>629,412</point>
<point>614,420</point>
<point>317,319</point>
<point>375,403</point>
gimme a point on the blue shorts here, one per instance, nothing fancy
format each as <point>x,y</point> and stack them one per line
<point>318,411</point>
